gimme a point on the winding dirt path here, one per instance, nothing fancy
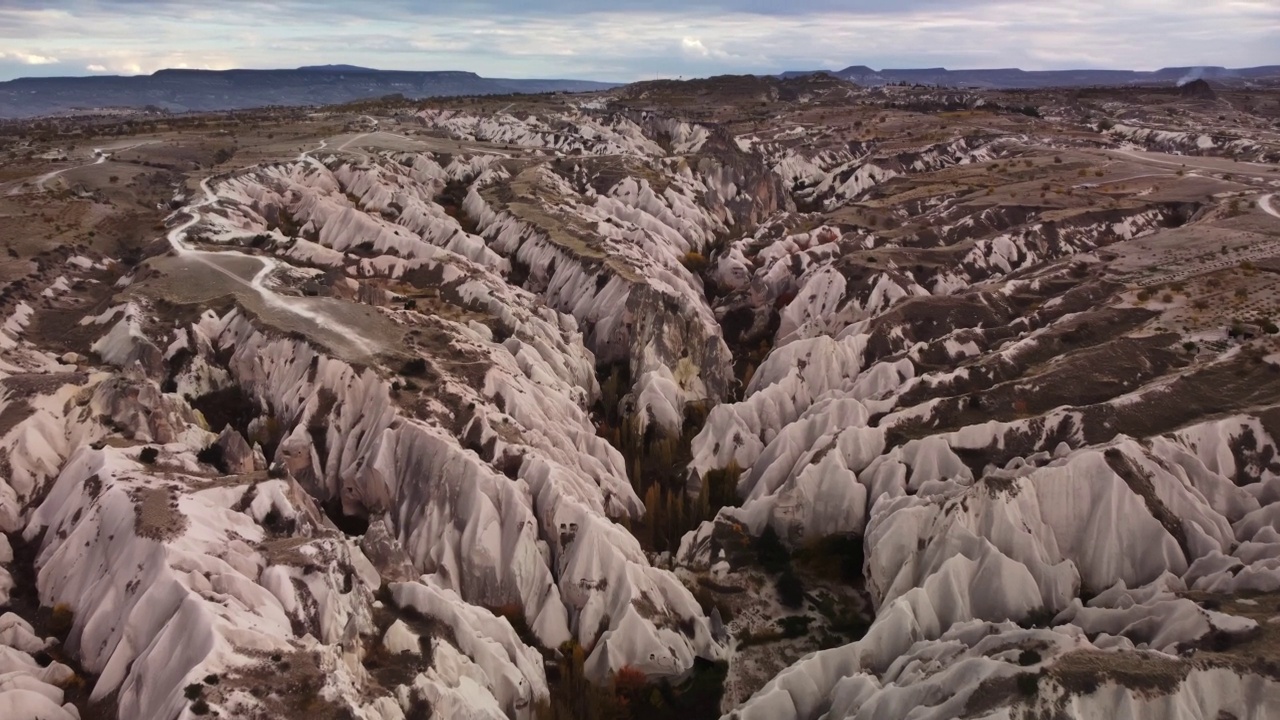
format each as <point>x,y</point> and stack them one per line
<point>305,308</point>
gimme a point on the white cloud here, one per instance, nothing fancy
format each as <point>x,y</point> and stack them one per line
<point>539,39</point>
<point>122,63</point>
<point>694,46</point>
<point>27,58</point>
<point>695,49</point>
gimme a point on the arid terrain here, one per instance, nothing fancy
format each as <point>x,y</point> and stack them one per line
<point>742,397</point>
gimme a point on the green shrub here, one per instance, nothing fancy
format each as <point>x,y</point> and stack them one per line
<point>61,620</point>
<point>795,626</point>
<point>694,262</point>
<point>416,366</point>
<point>790,590</point>
<point>771,553</point>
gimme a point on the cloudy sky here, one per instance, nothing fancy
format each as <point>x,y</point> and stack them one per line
<point>630,39</point>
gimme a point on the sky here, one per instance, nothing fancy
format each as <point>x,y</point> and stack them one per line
<point>626,40</point>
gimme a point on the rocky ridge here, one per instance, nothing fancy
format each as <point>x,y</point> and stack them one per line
<point>522,397</point>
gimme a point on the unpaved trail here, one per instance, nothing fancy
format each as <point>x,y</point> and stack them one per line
<point>101,155</point>
<point>1251,171</point>
<point>1265,202</point>
<point>303,308</point>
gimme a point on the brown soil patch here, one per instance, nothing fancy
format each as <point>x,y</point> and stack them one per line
<point>1148,674</point>
<point>156,514</point>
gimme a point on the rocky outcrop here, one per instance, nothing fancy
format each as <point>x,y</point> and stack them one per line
<point>189,581</point>
<point>346,444</point>
<point>30,688</point>
<point>544,543</point>
<point>990,670</point>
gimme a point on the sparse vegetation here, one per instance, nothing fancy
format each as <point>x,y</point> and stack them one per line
<point>771,554</point>
<point>790,590</point>
<point>212,455</point>
<point>61,620</point>
<point>629,695</point>
<point>694,262</point>
<point>415,367</point>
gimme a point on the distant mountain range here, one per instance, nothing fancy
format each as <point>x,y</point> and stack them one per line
<point>203,90</point>
<point>1010,78</point>
<point>189,90</point>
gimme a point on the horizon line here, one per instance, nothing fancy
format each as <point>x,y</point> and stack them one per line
<point>336,68</point>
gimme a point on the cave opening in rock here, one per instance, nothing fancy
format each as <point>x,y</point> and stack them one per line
<point>352,525</point>
<point>231,405</point>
